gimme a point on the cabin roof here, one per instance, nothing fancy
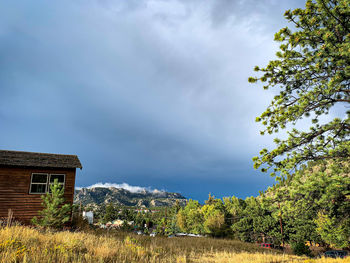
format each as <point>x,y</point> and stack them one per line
<point>34,159</point>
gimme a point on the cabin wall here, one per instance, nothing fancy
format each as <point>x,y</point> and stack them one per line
<point>14,191</point>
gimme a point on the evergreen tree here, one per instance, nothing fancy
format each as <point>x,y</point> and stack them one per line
<point>315,204</point>
<point>55,213</point>
<point>313,74</point>
<point>110,214</point>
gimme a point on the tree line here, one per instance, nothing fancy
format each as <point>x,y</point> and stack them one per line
<point>313,206</point>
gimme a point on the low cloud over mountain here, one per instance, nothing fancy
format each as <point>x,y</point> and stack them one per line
<point>125,195</point>
<point>125,186</point>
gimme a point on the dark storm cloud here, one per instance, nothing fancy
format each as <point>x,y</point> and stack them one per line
<point>151,93</point>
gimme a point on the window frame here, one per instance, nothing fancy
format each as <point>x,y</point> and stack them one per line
<point>31,183</point>
<point>47,184</point>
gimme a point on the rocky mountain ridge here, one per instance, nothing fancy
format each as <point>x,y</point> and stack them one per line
<point>97,196</point>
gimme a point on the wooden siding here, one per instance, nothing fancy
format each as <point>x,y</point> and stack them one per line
<point>14,191</point>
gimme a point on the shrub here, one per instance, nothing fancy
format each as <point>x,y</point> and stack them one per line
<point>299,248</point>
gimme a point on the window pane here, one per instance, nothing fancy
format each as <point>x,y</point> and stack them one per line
<point>39,178</point>
<point>61,186</point>
<point>59,177</point>
<point>38,188</point>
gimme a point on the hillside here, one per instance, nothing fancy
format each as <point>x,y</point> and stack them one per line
<point>103,195</point>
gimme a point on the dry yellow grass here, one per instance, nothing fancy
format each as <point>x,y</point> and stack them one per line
<point>23,244</point>
<point>243,257</point>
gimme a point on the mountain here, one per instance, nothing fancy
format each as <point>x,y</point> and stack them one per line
<point>97,196</point>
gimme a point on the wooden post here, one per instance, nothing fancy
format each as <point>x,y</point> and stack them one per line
<point>9,218</point>
<point>281,225</point>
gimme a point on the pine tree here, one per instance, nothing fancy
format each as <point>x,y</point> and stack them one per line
<point>55,213</point>
<point>111,213</point>
<point>312,73</point>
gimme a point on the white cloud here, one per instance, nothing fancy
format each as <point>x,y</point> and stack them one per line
<point>125,186</point>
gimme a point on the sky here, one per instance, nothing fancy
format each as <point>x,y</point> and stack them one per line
<point>148,93</point>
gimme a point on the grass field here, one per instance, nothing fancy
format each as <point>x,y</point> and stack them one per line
<point>23,244</point>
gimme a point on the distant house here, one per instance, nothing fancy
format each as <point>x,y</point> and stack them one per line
<point>25,176</point>
<point>89,216</point>
<point>117,223</point>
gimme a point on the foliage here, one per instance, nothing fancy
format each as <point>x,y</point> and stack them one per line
<point>55,213</point>
<point>300,249</point>
<point>315,195</point>
<point>255,222</point>
<point>190,218</point>
<point>312,206</point>
<point>234,207</point>
<point>313,73</point>
<point>214,217</point>
<point>110,213</point>
<point>333,233</point>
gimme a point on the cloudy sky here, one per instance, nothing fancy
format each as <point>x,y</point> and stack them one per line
<point>150,93</point>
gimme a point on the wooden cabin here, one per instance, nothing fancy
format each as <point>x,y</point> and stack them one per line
<point>25,176</point>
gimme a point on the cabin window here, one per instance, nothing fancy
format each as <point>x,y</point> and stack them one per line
<point>40,182</point>
<point>59,177</point>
